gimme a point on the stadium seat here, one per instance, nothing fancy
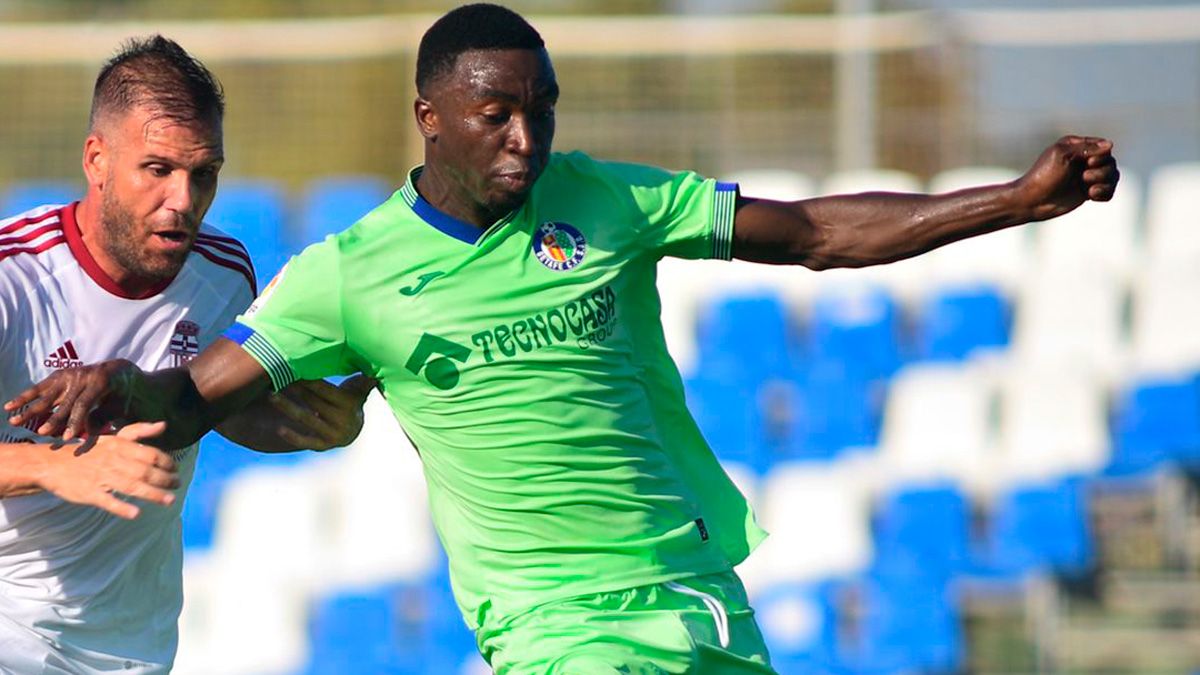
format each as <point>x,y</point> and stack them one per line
<point>378,486</point>
<point>907,627</point>
<point>219,459</point>
<point>779,184</point>
<point>270,552</point>
<point>937,427</point>
<point>869,180</point>
<point>827,409</point>
<point>856,325</point>
<point>955,323</point>
<point>23,196</point>
<point>1041,528</point>
<point>1156,421</point>
<point>333,203</point>
<point>818,517</point>
<point>375,630</point>
<point>1098,236</point>
<point>730,419</point>
<point>746,339</point>
<point>1053,423</point>
<point>1166,329</point>
<point>999,258</point>
<point>1171,233</point>
<point>1072,317</point>
<point>255,212</point>
<point>922,534</point>
<point>799,623</point>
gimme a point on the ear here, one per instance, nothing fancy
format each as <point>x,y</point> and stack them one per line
<point>96,157</point>
<point>427,118</point>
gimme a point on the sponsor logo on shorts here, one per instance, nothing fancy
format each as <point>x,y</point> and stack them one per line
<point>559,246</point>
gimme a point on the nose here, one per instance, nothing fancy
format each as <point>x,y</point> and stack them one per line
<point>520,136</point>
<point>180,195</point>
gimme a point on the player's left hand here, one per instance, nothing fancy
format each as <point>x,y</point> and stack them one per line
<point>1074,170</point>
<point>322,415</point>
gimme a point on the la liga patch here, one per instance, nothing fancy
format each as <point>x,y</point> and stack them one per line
<point>559,246</point>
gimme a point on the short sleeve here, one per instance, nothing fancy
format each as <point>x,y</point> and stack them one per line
<point>687,215</point>
<point>294,329</point>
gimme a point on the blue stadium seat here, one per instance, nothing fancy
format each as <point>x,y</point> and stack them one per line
<point>729,416</point>
<point>923,534</point>
<point>1156,421</point>
<point>746,339</point>
<point>333,203</point>
<point>858,327</point>
<point>219,460</point>
<point>799,623</point>
<point>955,322</point>
<point>908,627</point>
<point>25,195</point>
<point>832,410</point>
<point>255,212</point>
<point>377,630</point>
<point>1042,528</point>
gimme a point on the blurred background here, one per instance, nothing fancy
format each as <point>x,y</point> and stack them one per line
<point>983,460</point>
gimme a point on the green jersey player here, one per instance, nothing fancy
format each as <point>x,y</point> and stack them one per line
<point>504,298</point>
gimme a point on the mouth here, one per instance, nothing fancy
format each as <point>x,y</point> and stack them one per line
<point>173,238</point>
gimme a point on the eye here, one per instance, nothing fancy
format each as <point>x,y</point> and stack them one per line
<point>497,117</point>
<point>159,170</point>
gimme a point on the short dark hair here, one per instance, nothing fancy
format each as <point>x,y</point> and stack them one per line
<point>477,26</point>
<point>156,72</point>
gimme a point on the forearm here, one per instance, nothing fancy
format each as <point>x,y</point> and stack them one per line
<point>22,466</point>
<point>175,396</point>
<point>878,228</point>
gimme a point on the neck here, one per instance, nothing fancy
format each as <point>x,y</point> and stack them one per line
<point>445,194</point>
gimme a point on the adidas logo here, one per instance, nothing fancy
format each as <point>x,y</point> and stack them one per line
<point>63,357</point>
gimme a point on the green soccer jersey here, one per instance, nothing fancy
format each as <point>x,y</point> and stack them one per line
<point>528,365</point>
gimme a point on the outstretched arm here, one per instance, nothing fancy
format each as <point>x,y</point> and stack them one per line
<point>90,472</point>
<point>192,400</point>
<point>879,227</point>
<point>305,415</point>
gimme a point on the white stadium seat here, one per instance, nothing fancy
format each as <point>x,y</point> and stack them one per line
<point>1096,236</point>
<point>1172,226</point>
<point>819,518</point>
<point>937,427</point>
<point>1166,325</point>
<point>1052,424</point>
<point>1072,316</point>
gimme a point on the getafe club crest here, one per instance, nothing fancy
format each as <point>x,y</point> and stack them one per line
<point>559,246</point>
<point>185,343</point>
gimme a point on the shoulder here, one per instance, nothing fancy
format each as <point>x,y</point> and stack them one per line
<point>224,255</point>
<point>27,240</point>
<point>580,168</point>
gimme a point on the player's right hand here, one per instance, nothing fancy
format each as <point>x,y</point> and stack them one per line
<point>90,472</point>
<point>71,399</point>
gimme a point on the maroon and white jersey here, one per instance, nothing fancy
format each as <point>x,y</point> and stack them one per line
<point>82,590</point>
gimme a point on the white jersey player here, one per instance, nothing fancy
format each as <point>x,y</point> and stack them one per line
<point>90,545</point>
<point>76,582</point>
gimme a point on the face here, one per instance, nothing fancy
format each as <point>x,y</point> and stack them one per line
<point>156,179</point>
<point>489,125</point>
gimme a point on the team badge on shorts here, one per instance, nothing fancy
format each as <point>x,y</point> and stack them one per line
<point>185,343</point>
<point>559,246</point>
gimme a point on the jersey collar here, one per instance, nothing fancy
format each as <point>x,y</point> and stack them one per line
<point>84,257</point>
<point>444,222</point>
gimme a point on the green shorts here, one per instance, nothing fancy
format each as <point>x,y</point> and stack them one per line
<point>695,625</point>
